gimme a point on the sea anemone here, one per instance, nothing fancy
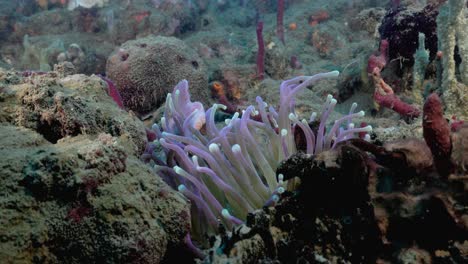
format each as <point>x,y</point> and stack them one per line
<point>229,171</point>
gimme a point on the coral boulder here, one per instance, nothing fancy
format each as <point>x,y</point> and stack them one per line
<point>73,189</point>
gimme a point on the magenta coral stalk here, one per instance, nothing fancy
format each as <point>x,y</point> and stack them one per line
<point>279,21</point>
<point>229,171</point>
<point>260,52</point>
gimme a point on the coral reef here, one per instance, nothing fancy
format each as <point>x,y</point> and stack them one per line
<point>145,70</point>
<point>123,167</point>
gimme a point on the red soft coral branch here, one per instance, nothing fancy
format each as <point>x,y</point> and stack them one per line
<point>384,96</point>
<point>378,59</point>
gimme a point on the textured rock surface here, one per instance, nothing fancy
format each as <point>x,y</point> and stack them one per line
<point>460,149</point>
<point>70,106</point>
<point>368,20</point>
<point>146,69</point>
<point>83,197</point>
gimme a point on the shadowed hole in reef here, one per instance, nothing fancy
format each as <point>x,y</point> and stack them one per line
<point>187,27</point>
<point>418,227</point>
<point>52,131</point>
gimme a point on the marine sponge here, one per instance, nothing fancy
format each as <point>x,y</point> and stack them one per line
<point>143,69</point>
<point>401,27</point>
<point>230,171</point>
<point>437,134</point>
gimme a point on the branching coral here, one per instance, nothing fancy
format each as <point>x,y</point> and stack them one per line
<point>229,171</point>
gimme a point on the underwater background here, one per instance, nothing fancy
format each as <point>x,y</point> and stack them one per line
<point>233,131</point>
